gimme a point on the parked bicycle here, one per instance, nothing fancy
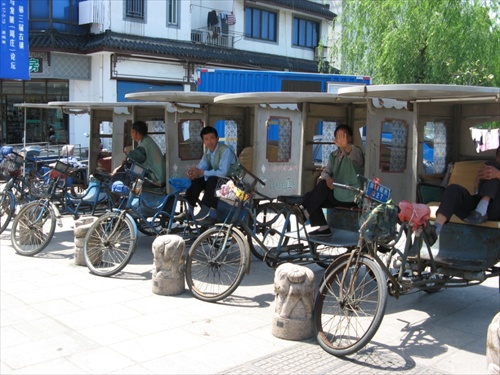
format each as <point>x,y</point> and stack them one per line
<point>112,240</point>
<point>34,225</point>
<point>24,184</point>
<point>352,296</point>
<point>274,232</point>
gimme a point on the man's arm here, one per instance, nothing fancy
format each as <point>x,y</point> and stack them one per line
<point>227,159</point>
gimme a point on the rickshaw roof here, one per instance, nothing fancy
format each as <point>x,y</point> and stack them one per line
<point>424,92</point>
<point>186,97</point>
<point>249,98</point>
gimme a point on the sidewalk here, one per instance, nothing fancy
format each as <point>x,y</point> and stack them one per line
<point>57,318</point>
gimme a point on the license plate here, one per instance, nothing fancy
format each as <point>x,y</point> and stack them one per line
<point>377,192</point>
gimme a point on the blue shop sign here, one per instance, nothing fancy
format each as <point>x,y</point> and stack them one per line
<point>14,47</point>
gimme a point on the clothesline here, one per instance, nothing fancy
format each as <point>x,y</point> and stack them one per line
<point>208,8</point>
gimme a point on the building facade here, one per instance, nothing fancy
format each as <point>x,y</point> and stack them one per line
<point>99,50</point>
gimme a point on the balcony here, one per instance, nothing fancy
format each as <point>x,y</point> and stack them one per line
<point>212,37</point>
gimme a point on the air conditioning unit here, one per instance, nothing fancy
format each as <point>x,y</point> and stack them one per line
<point>90,11</point>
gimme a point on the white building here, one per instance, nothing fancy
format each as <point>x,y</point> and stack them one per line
<point>99,50</point>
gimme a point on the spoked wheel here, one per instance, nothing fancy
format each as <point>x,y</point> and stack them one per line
<point>146,227</point>
<point>110,244</point>
<point>324,255</point>
<point>350,305</point>
<point>33,228</point>
<point>7,208</point>
<point>216,264</point>
<point>269,225</point>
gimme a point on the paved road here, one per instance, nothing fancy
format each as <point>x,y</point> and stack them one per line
<point>57,318</point>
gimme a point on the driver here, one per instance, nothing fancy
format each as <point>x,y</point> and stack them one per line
<point>147,153</point>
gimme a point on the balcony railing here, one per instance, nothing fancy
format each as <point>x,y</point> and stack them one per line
<point>213,37</point>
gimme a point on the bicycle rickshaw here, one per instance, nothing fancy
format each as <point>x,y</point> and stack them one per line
<point>352,296</point>
<point>34,225</point>
<point>274,232</point>
<point>369,265</point>
<point>112,240</point>
<point>23,185</point>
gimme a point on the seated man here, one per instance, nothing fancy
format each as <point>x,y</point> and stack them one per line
<point>344,164</point>
<point>474,209</point>
<point>216,162</point>
<point>147,153</point>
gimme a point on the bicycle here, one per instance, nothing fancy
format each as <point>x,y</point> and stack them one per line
<point>352,297</point>
<point>112,240</point>
<point>22,186</point>
<point>34,225</point>
<point>273,232</point>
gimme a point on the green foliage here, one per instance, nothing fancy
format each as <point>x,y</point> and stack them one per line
<point>421,41</point>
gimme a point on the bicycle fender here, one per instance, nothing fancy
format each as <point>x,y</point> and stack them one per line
<point>58,214</point>
<point>245,244</point>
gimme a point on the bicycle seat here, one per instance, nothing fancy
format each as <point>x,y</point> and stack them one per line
<point>179,184</point>
<point>291,199</point>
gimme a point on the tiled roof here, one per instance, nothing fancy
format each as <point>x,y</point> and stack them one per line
<point>303,6</point>
<point>166,48</point>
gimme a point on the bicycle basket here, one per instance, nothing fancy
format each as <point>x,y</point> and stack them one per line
<point>228,192</point>
<point>11,166</point>
<point>379,223</point>
<point>39,189</point>
<point>61,167</point>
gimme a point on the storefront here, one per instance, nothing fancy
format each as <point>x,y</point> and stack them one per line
<point>38,120</point>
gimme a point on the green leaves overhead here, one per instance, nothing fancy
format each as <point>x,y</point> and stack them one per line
<point>421,41</point>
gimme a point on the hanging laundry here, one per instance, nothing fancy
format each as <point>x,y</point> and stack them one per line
<point>231,19</point>
<point>212,19</point>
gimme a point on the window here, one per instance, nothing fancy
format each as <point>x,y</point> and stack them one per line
<point>134,9</point>
<point>260,24</point>
<point>172,15</point>
<point>61,15</point>
<point>393,146</point>
<point>305,33</point>
<point>190,144</point>
<point>279,139</point>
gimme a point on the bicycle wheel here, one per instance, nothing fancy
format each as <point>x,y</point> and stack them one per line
<point>215,264</point>
<point>7,208</point>
<point>324,255</point>
<point>110,243</point>
<point>270,220</point>
<point>33,228</point>
<point>350,305</point>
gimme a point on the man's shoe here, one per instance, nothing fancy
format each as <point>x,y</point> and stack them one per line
<point>476,218</point>
<point>207,221</point>
<point>323,233</point>
<point>430,233</point>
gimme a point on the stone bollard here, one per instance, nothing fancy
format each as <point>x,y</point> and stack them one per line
<point>493,346</point>
<point>293,310</point>
<point>169,265</point>
<point>82,225</point>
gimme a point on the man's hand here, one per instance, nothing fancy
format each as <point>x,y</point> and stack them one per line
<point>193,173</point>
<point>488,172</point>
<point>329,182</point>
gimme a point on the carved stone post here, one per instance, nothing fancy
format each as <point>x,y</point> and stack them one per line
<point>82,225</point>
<point>493,346</point>
<point>293,315</point>
<point>169,265</point>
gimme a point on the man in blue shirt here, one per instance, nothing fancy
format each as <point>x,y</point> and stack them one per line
<point>216,162</point>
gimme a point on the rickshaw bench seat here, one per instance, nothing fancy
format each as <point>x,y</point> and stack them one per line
<point>455,219</point>
<point>462,173</point>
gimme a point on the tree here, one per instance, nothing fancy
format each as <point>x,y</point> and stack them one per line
<point>420,41</point>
